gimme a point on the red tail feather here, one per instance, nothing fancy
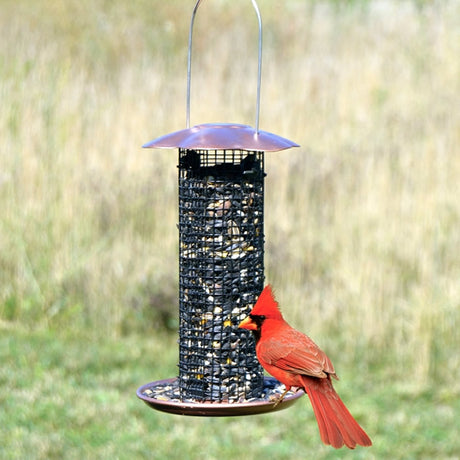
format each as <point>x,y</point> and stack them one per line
<point>336,425</point>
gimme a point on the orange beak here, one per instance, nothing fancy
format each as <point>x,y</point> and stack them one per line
<point>248,323</point>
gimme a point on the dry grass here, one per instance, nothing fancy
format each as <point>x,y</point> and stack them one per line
<point>362,222</point>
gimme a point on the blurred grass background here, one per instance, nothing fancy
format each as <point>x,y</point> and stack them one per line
<point>362,222</point>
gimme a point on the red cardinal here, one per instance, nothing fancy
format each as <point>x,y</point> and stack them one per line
<point>296,361</point>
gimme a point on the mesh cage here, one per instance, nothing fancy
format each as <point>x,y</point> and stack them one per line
<point>221,272</point>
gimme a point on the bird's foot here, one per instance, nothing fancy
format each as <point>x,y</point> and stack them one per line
<point>278,399</point>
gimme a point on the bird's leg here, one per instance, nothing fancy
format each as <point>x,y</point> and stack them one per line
<point>278,400</point>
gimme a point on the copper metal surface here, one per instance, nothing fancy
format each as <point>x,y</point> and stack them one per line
<point>223,409</point>
<point>221,136</point>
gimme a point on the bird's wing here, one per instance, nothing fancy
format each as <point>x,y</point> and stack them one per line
<point>295,352</point>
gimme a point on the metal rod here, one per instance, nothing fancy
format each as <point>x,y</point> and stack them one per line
<point>189,63</point>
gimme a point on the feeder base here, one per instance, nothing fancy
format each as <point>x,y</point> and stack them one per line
<point>155,395</point>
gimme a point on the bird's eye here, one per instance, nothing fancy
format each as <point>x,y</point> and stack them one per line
<point>258,319</point>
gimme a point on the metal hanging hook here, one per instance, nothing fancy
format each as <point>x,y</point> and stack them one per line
<point>189,64</point>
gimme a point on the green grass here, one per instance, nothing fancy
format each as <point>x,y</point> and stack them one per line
<point>70,396</point>
<point>362,222</point>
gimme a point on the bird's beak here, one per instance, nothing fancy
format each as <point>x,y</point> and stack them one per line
<point>248,323</point>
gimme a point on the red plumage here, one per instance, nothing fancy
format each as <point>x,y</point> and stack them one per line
<point>296,361</point>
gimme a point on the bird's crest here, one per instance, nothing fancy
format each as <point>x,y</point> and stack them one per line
<point>266,305</point>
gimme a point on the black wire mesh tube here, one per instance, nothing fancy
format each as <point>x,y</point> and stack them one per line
<point>221,272</point>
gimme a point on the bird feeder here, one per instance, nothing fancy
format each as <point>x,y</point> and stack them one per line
<point>221,266</point>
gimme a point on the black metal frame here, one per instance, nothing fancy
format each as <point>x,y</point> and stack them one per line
<point>221,272</point>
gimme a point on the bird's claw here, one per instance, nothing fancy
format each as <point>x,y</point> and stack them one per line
<point>278,399</point>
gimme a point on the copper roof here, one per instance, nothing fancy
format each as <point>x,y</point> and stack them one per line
<point>222,136</point>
